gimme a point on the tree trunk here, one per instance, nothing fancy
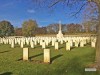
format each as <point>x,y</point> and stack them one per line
<point>98,47</point>
<point>98,42</point>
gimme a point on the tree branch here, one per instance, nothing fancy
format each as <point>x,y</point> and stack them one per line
<point>57,1</point>
<point>67,2</point>
<point>79,9</point>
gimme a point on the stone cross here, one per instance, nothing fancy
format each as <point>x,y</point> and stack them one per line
<point>59,25</point>
<point>59,35</point>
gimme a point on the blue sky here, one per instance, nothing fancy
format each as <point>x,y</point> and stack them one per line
<point>17,11</point>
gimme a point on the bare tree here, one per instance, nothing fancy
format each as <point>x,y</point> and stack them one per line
<point>74,28</point>
<point>70,3</point>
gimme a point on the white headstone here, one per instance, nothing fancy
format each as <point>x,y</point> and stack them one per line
<point>21,44</point>
<point>56,45</point>
<point>53,42</point>
<point>43,45</point>
<point>47,43</point>
<point>67,45</point>
<point>32,44</point>
<point>81,44</point>
<point>25,53</point>
<point>12,44</point>
<point>93,44</point>
<point>76,43</point>
<point>46,55</point>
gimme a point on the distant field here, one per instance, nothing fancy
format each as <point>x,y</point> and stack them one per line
<point>62,62</point>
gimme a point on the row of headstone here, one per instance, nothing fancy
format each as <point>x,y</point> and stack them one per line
<point>53,41</point>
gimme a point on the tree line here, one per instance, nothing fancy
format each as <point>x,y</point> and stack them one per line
<point>31,28</point>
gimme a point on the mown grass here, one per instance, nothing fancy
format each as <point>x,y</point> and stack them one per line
<point>62,62</point>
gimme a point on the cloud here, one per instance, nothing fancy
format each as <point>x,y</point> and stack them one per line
<point>7,5</point>
<point>31,11</point>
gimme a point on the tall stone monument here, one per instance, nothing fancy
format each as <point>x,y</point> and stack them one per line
<point>59,35</point>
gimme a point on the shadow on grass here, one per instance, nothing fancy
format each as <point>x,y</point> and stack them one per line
<point>31,57</point>
<point>49,47</point>
<point>20,59</point>
<point>7,73</point>
<point>5,51</point>
<point>38,46</point>
<point>61,48</point>
<point>72,47</point>
<point>55,57</point>
<point>35,56</point>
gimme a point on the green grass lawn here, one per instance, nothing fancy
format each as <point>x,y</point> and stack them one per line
<point>62,62</point>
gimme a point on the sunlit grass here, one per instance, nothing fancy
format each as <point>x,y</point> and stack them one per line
<point>62,62</point>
